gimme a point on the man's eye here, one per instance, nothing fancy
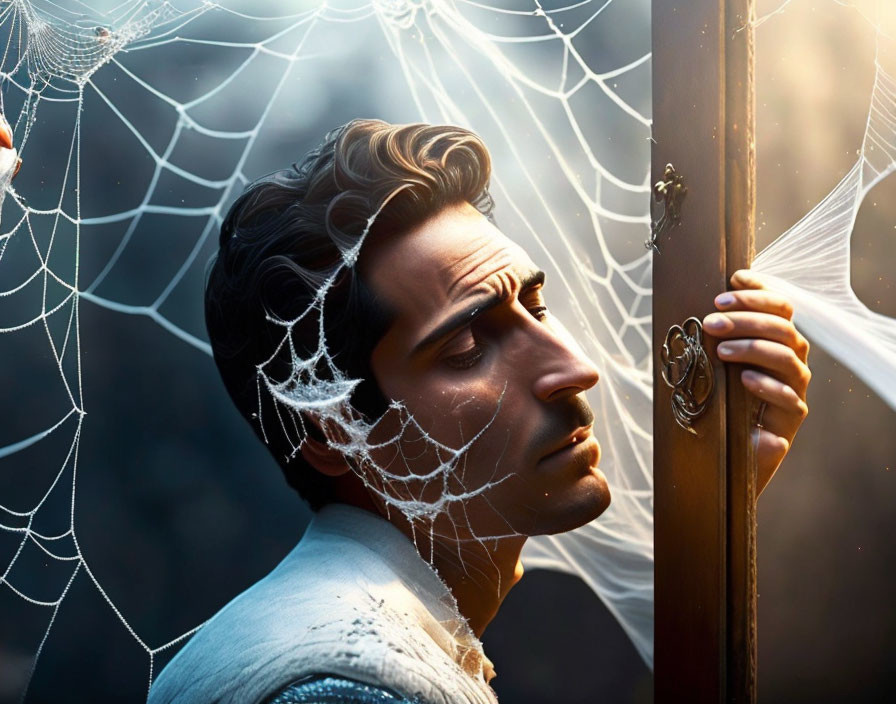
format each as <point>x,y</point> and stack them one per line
<point>539,312</point>
<point>465,360</point>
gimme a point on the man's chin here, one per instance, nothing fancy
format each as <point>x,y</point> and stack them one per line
<point>589,500</point>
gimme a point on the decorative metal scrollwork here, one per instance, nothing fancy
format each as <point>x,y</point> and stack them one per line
<point>671,192</point>
<point>687,371</point>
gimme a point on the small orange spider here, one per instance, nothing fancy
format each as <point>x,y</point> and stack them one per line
<point>6,143</point>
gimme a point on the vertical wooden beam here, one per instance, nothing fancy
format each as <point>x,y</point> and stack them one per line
<point>740,194</point>
<point>704,485</point>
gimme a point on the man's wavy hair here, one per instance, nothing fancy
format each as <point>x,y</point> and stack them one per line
<point>288,232</point>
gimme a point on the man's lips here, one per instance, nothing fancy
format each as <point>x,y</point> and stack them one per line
<point>575,438</point>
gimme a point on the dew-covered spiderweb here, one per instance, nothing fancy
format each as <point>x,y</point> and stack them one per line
<point>140,122</point>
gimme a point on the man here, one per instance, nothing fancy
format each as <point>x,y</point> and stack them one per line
<point>392,348</point>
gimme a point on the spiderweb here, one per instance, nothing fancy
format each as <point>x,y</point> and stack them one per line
<point>110,75</point>
<point>157,114</point>
<point>811,261</point>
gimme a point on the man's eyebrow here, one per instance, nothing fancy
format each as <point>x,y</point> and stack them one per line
<point>474,310</point>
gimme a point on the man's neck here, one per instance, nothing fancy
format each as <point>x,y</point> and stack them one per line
<point>479,573</point>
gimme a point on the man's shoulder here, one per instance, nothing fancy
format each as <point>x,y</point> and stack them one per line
<point>260,639</point>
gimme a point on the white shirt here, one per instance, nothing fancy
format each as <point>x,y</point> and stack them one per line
<point>353,598</point>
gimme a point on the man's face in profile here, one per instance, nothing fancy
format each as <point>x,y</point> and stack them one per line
<point>473,350</point>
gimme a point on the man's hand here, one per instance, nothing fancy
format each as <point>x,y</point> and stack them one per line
<point>755,330</point>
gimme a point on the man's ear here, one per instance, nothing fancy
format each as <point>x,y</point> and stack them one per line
<point>316,452</point>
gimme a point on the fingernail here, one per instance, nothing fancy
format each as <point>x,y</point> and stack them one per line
<point>724,299</point>
<point>717,322</point>
<point>725,350</point>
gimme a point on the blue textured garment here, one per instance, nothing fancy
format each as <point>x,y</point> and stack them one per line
<point>336,690</point>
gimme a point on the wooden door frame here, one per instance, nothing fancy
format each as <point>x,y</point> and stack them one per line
<point>704,486</point>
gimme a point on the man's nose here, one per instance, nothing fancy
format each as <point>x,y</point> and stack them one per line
<point>565,371</point>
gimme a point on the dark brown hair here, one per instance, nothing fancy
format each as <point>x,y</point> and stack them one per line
<point>293,229</point>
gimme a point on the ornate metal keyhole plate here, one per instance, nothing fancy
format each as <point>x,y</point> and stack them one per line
<point>671,192</point>
<point>687,371</point>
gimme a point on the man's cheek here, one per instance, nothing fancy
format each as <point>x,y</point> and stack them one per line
<point>478,410</point>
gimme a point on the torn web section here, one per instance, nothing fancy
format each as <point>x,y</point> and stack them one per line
<point>562,97</point>
<point>811,262</point>
<point>423,477</point>
<point>818,66</point>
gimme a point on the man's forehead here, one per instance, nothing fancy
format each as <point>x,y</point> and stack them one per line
<point>452,256</point>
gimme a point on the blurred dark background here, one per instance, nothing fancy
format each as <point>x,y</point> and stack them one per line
<point>178,508</point>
